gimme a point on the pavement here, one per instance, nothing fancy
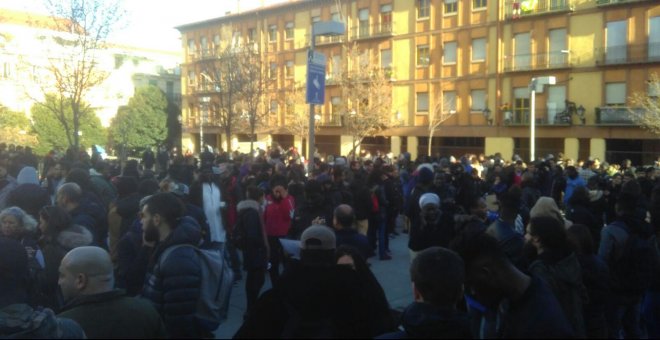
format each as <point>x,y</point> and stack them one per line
<point>393,275</point>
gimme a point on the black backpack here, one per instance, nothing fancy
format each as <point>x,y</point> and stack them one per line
<point>633,272</point>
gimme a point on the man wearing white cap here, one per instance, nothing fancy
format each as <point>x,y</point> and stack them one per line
<point>435,228</point>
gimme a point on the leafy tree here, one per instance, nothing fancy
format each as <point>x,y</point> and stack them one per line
<point>647,111</point>
<point>143,122</point>
<point>15,128</point>
<point>50,133</point>
<point>86,25</point>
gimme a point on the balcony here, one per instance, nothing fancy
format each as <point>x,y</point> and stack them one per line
<point>628,54</point>
<point>540,61</point>
<point>544,117</point>
<point>616,115</point>
<point>323,40</point>
<point>330,120</point>
<point>381,30</point>
<point>616,2</point>
<point>200,88</point>
<point>516,9</point>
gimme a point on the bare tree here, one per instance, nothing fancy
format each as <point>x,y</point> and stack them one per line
<point>366,95</point>
<point>440,113</point>
<point>647,107</point>
<point>253,91</point>
<point>297,112</point>
<point>85,26</point>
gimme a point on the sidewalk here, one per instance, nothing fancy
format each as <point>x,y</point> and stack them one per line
<point>393,276</point>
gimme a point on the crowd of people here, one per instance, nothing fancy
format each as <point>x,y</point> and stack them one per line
<point>498,248</point>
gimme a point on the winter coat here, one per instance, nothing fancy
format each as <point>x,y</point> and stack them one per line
<point>54,250</point>
<point>318,295</point>
<point>315,207</point>
<point>571,184</point>
<point>105,190</point>
<point>173,285</point>
<point>509,240</point>
<point>278,215</point>
<point>114,315</point>
<point>596,279</point>
<point>582,215</point>
<point>21,321</point>
<point>28,194</point>
<point>430,233</point>
<point>132,260</point>
<point>564,276</point>
<point>254,254</point>
<point>423,320</point>
<point>350,237</point>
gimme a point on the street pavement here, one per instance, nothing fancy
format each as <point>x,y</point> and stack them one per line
<point>393,276</point>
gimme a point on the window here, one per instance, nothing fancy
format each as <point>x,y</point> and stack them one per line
<point>556,102</point>
<point>336,66</point>
<point>423,58</point>
<point>273,107</point>
<point>557,41</point>
<point>654,37</point>
<point>479,49</point>
<point>386,18</point>
<point>289,69</point>
<point>252,35</point>
<point>449,102</point>
<point>422,102</point>
<point>191,78</point>
<point>288,32</point>
<point>617,41</point>
<point>522,57</point>
<point>615,94</point>
<point>316,18</point>
<point>520,105</point>
<point>653,89</point>
<point>386,59</point>
<point>363,23</point>
<point>272,33</point>
<point>477,100</point>
<point>272,72</point>
<point>335,16</point>
<point>451,6</point>
<point>479,4</point>
<point>236,39</point>
<point>423,9</point>
<point>449,53</point>
<point>191,46</point>
<point>205,45</point>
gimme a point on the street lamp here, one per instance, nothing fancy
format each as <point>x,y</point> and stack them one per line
<point>320,28</point>
<point>204,106</point>
<point>536,85</point>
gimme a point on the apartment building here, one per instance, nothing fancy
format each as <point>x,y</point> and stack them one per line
<point>30,45</point>
<point>469,62</point>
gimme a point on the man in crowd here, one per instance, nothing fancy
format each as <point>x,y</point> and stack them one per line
<point>69,197</point>
<point>87,285</point>
<point>346,234</point>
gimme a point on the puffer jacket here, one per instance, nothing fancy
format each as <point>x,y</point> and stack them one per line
<point>54,250</point>
<point>173,284</point>
<point>564,276</point>
<point>20,321</point>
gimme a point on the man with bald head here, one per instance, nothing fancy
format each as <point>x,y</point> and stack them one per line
<point>87,285</point>
<point>70,197</point>
<point>343,221</point>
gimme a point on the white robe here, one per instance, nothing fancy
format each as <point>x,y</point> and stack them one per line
<point>212,204</point>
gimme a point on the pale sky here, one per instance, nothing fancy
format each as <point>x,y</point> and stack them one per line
<point>150,23</point>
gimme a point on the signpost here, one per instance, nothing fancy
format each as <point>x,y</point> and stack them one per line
<point>316,63</point>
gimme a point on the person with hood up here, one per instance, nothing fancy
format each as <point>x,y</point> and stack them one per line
<point>413,210</point>
<point>546,206</point>
<point>28,194</point>
<point>558,265</point>
<point>435,229</point>
<point>438,276</point>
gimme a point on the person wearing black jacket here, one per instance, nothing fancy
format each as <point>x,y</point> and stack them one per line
<point>413,210</point>
<point>254,245</point>
<point>315,207</point>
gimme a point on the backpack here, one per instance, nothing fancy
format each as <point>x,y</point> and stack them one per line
<point>633,271</point>
<point>217,281</point>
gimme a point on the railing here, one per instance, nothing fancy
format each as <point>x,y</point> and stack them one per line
<point>543,116</point>
<point>628,54</point>
<point>541,61</point>
<point>616,115</point>
<point>330,120</point>
<point>616,2</point>
<point>384,29</point>
<point>515,9</point>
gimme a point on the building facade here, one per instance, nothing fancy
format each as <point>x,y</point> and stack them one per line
<point>467,61</point>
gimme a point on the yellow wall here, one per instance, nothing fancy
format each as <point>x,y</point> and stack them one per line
<point>503,145</point>
<point>346,143</point>
<point>395,144</point>
<point>403,100</point>
<point>402,54</point>
<point>597,148</point>
<point>585,35</point>
<point>413,143</point>
<point>571,148</point>
<point>586,89</point>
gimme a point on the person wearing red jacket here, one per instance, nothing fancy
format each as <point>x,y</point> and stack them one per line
<point>277,219</point>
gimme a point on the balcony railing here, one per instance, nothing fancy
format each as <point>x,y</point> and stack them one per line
<point>628,54</point>
<point>515,9</point>
<point>381,30</point>
<point>540,61</point>
<point>330,120</point>
<point>544,117</point>
<point>616,2</point>
<point>616,115</point>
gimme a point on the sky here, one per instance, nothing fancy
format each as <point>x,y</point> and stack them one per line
<point>150,23</point>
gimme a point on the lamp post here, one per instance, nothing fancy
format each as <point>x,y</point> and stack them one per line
<point>203,112</point>
<point>321,28</point>
<point>536,85</point>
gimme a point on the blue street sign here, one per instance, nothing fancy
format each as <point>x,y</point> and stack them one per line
<point>316,78</point>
